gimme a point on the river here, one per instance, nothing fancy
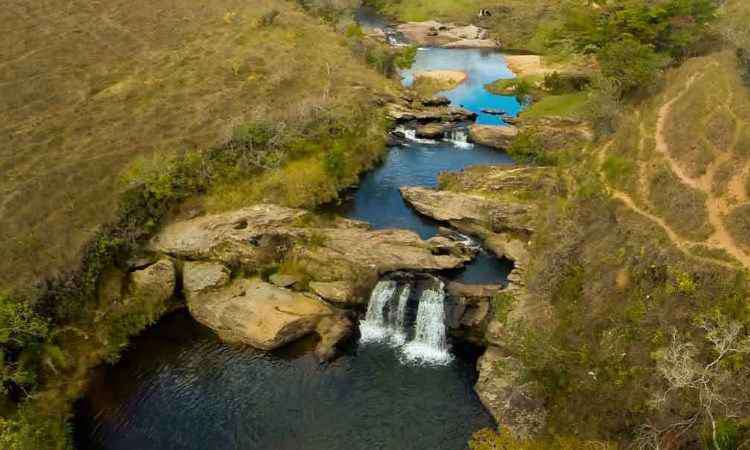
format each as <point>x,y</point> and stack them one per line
<point>178,387</point>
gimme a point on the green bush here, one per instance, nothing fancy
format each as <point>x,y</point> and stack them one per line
<point>631,64</point>
<point>603,106</point>
<point>528,148</point>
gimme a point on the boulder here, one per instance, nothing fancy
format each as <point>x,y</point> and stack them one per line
<point>515,404</point>
<point>198,277</point>
<point>267,317</point>
<point>339,292</point>
<point>155,284</point>
<point>431,131</point>
<point>499,137</point>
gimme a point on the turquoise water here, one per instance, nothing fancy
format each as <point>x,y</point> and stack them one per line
<point>482,67</point>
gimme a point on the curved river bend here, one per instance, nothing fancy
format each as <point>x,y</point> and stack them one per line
<point>179,387</point>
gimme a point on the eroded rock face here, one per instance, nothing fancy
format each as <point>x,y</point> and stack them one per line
<point>472,214</point>
<point>338,292</point>
<point>155,284</point>
<point>198,277</point>
<point>500,137</point>
<point>515,405</point>
<point>432,131</point>
<point>267,317</point>
<point>262,234</point>
<point>405,112</point>
<point>471,310</point>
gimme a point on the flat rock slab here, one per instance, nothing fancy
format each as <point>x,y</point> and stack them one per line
<point>499,137</point>
<point>258,313</point>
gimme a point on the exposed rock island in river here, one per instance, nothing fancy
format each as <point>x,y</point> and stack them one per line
<point>331,260</point>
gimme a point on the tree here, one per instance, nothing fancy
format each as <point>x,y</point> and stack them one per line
<point>708,385</point>
<point>630,63</point>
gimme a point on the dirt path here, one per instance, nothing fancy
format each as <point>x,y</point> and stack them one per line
<point>717,206</point>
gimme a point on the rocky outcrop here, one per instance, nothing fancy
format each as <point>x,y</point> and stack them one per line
<point>267,317</point>
<point>557,133</point>
<point>261,235</point>
<point>499,137</point>
<point>338,292</point>
<point>337,260</point>
<point>154,284</point>
<point>436,34</point>
<point>472,214</point>
<point>199,277</point>
<point>471,310</point>
<point>517,405</point>
<point>416,112</point>
<point>432,131</point>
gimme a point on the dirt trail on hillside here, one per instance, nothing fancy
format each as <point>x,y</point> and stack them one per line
<point>717,205</point>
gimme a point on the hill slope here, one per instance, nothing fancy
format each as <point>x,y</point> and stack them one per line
<point>88,88</point>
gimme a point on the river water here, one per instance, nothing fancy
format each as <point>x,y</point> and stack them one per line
<point>179,387</point>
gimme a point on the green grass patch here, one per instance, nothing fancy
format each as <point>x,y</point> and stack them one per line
<point>565,105</point>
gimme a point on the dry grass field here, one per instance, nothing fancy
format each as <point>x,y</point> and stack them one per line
<point>87,87</point>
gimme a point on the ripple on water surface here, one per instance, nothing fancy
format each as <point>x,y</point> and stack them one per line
<point>180,388</point>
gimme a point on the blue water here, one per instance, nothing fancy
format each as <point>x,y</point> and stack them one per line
<point>482,66</point>
<point>179,387</point>
<point>378,200</point>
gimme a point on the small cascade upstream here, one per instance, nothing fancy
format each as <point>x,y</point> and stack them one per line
<point>386,321</point>
<point>410,134</point>
<point>430,344</point>
<point>459,137</point>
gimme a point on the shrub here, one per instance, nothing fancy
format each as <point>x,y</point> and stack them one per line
<point>528,148</point>
<point>631,64</point>
<point>603,106</point>
<point>743,57</point>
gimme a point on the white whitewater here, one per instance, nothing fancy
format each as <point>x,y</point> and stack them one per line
<point>460,138</point>
<point>411,135</point>
<point>398,318</point>
<point>430,344</point>
<point>375,326</point>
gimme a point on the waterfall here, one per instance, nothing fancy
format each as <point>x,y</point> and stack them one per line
<point>375,326</point>
<point>386,321</point>
<point>430,344</point>
<point>459,137</point>
<point>398,317</point>
<point>411,135</point>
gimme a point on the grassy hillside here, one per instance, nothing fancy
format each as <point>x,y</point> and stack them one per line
<point>119,114</point>
<point>88,88</point>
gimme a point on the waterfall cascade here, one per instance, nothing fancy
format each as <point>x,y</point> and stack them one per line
<point>386,321</point>
<point>410,134</point>
<point>459,137</point>
<point>429,343</point>
<point>375,326</point>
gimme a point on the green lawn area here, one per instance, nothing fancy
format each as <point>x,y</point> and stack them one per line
<point>566,105</point>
